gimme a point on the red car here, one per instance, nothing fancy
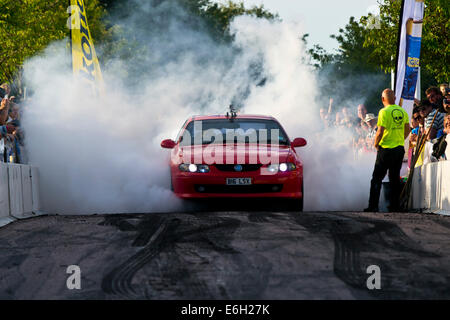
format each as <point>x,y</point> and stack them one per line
<point>236,156</point>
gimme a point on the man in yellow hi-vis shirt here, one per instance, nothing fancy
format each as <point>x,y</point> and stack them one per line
<point>393,129</point>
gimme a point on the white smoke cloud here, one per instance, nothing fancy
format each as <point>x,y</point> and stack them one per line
<point>102,155</point>
<point>336,179</point>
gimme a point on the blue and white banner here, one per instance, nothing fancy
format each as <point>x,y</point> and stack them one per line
<point>408,58</point>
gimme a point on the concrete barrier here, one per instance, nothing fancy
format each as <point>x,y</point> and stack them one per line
<point>35,190</point>
<point>15,190</point>
<point>431,188</point>
<point>19,192</point>
<point>4,196</point>
<point>27,194</point>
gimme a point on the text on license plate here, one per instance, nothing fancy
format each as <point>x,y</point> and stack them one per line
<point>239,181</point>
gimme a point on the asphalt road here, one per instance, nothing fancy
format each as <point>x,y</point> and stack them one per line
<point>227,255</point>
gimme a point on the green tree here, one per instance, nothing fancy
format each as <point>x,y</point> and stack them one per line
<point>211,16</point>
<point>219,16</point>
<point>141,30</point>
<point>435,51</point>
<point>346,75</point>
<point>28,26</point>
<point>370,49</point>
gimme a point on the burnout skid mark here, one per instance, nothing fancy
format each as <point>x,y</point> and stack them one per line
<point>359,242</point>
<point>159,237</point>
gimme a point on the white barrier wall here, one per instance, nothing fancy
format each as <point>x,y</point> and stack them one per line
<point>431,187</point>
<point>4,191</point>
<point>35,189</point>
<point>15,190</point>
<point>27,194</point>
<point>19,191</point>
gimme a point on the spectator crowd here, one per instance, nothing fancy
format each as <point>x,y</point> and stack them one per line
<point>430,119</point>
<point>361,124</point>
<point>11,136</point>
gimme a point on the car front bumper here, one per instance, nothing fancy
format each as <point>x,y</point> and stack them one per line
<point>213,184</point>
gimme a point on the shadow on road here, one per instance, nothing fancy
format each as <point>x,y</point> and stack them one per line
<point>240,204</point>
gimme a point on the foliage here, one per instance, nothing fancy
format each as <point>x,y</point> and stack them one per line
<point>435,51</point>
<point>207,15</point>
<point>28,26</point>
<point>219,16</point>
<point>345,75</point>
<point>140,30</point>
<point>369,50</point>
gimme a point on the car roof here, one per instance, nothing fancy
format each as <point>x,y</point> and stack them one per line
<point>238,116</point>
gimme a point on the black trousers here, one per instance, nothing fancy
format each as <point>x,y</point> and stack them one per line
<point>387,160</point>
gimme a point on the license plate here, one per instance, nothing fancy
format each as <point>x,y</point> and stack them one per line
<point>239,181</point>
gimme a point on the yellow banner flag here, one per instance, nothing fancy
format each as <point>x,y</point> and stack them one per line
<point>84,59</point>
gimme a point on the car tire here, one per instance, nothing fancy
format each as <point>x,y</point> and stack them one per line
<point>296,205</point>
<point>301,200</point>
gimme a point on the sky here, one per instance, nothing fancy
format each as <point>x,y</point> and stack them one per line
<point>320,18</point>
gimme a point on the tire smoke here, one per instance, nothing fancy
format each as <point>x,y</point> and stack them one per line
<point>102,154</point>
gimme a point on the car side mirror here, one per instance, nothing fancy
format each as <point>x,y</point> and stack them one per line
<point>298,142</point>
<point>168,144</point>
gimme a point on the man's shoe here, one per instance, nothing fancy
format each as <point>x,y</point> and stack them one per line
<point>371,209</point>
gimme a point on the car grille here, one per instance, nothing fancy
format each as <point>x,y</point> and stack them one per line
<point>245,167</point>
<point>257,188</point>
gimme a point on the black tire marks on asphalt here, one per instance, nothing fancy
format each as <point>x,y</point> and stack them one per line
<point>159,236</point>
<point>356,240</point>
<point>258,217</point>
<point>443,223</point>
<point>183,249</point>
<point>118,281</point>
<point>246,278</point>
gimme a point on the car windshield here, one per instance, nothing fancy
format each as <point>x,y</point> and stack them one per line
<point>220,131</point>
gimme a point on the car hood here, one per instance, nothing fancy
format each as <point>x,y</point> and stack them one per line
<point>234,154</point>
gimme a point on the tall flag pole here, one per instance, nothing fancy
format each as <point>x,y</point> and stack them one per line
<point>408,61</point>
<point>408,53</point>
<point>84,59</point>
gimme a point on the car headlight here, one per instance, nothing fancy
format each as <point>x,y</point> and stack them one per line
<point>289,166</point>
<point>186,167</point>
<point>203,168</point>
<point>283,167</point>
